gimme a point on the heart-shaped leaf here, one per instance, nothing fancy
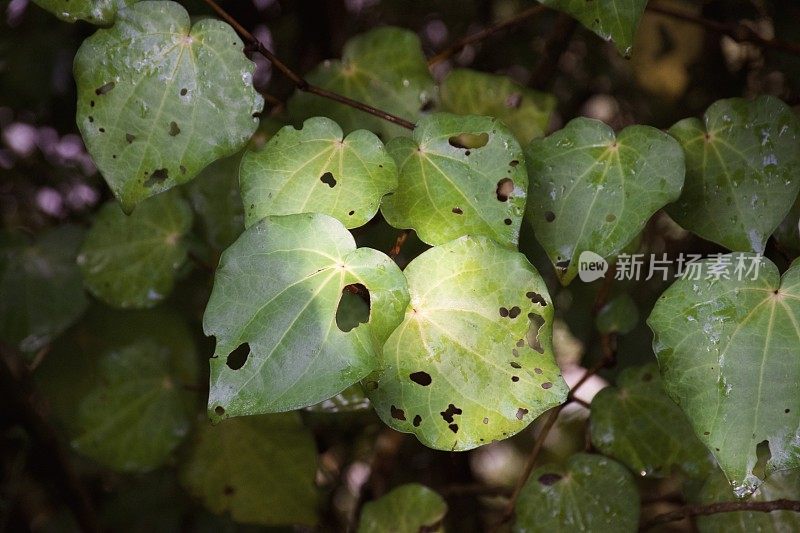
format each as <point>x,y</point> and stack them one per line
<point>260,469</point>
<point>526,112</point>
<point>742,171</point>
<point>472,361</point>
<point>458,176</point>
<point>588,493</point>
<point>132,260</point>
<point>274,303</point>
<point>728,345</point>
<point>409,508</point>
<point>612,20</point>
<point>592,190</point>
<point>41,292</point>
<point>158,100</point>
<point>316,169</point>
<point>638,425</point>
<point>100,12</point>
<point>384,68</point>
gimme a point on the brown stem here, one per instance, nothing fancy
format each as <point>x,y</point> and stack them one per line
<point>722,507</point>
<point>459,45</point>
<point>736,31</point>
<point>298,80</point>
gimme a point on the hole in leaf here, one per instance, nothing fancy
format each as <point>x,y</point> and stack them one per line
<point>521,412</point>
<point>91,118</point>
<point>328,180</point>
<point>546,385</point>
<point>219,410</point>
<point>453,428</point>
<point>351,213</point>
<point>513,163</point>
<point>549,479</point>
<point>763,456</point>
<point>503,312</point>
<point>507,222</point>
<point>354,307</point>
<point>184,91</point>
<point>102,130</point>
<point>562,264</point>
<point>458,211</point>
<point>520,343</point>
<point>91,104</point>
<point>397,414</point>
<point>159,176</point>
<point>104,89</point>
<point>611,217</point>
<point>426,106</point>
<point>514,100</point>
<point>421,378</point>
<point>536,298</point>
<point>514,312</point>
<point>549,216</point>
<point>537,370</point>
<point>451,411</point>
<point>533,332</point>
<point>468,141</point>
<point>514,364</point>
<point>228,490</point>
<point>130,137</point>
<point>504,189</point>
<point>514,378</point>
<point>174,129</point>
<point>485,420</point>
<point>237,358</point>
<point>417,421</point>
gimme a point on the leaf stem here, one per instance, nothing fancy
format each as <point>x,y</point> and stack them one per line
<point>722,507</point>
<point>299,82</point>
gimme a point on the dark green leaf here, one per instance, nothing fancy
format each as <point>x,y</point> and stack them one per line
<point>261,469</point>
<point>215,197</point>
<point>589,493</point>
<point>742,171</point>
<point>728,352</point>
<point>409,508</point>
<point>472,361</point>
<point>592,190</point>
<point>274,302</point>
<point>458,176</point>
<point>158,100</point>
<point>130,261</point>
<point>620,315</point>
<point>316,169</point>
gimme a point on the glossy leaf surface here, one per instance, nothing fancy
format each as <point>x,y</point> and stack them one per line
<point>100,12</point>
<point>473,360</point>
<point>409,508</point>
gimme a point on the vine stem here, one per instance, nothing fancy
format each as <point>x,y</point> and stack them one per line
<point>722,507</point>
<point>298,80</point>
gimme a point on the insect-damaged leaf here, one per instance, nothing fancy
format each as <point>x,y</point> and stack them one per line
<point>316,169</point>
<point>273,313</point>
<point>729,352</point>
<point>459,175</point>
<point>592,190</point>
<point>742,171</point>
<point>472,361</point>
<point>100,12</point>
<point>158,100</point>
<point>409,508</point>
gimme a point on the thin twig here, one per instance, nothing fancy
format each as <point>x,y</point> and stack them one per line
<point>722,507</point>
<point>736,31</point>
<point>459,45</point>
<point>298,80</point>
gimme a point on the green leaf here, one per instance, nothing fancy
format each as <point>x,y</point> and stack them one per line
<point>139,411</point>
<point>472,361</point>
<point>158,101</point>
<point>458,176</point>
<point>409,508</point>
<point>100,12</point>
<point>620,315</point>
<point>779,485</point>
<point>589,493</point>
<point>384,68</point>
<point>612,20</point>
<point>526,112</point>
<point>592,190</point>
<point>728,352</point>
<point>276,291</point>
<point>215,198</point>
<point>41,292</point>
<point>637,424</point>
<point>130,261</point>
<point>260,469</point>
<point>742,171</point>
<point>316,169</point>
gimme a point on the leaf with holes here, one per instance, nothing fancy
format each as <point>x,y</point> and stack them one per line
<point>729,352</point>
<point>637,424</point>
<point>41,293</point>
<point>158,101</point>
<point>100,12</point>
<point>587,493</point>
<point>472,361</point>
<point>526,112</point>
<point>779,485</point>
<point>742,171</point>
<point>594,191</point>
<point>261,469</point>
<point>132,260</point>
<point>409,508</point>
<point>458,176</point>
<point>276,293</point>
<point>612,20</point>
<point>317,170</point>
<point>384,68</point>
